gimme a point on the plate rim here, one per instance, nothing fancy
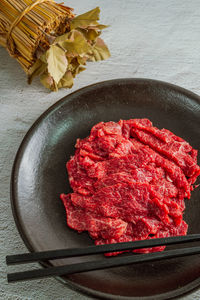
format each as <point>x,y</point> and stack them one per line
<point>174,294</point>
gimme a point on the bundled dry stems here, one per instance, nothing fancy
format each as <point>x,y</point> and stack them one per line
<point>48,41</point>
<point>32,31</point>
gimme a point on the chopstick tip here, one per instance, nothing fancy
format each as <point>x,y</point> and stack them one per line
<point>7,260</point>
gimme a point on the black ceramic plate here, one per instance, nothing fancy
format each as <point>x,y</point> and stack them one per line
<point>39,176</point>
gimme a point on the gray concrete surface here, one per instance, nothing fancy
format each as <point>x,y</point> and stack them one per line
<point>152,39</point>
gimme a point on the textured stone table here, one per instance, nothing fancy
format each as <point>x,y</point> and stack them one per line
<point>153,39</point>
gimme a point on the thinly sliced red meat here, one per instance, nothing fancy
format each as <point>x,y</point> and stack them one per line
<point>129,181</point>
<point>176,151</point>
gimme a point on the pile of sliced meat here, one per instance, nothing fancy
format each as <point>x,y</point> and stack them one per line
<point>129,181</point>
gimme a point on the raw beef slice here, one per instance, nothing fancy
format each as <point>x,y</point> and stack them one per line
<point>129,182</point>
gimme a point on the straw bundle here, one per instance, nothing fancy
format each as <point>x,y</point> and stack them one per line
<point>23,36</point>
<point>48,41</point>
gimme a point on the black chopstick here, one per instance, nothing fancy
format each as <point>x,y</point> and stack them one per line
<point>100,264</point>
<point>91,250</point>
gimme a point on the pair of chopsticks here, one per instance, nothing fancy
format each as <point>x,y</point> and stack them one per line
<point>99,264</point>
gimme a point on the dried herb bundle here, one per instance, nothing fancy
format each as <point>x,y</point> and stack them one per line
<point>48,41</point>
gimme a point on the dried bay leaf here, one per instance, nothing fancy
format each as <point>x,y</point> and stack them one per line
<point>75,67</point>
<point>79,69</point>
<point>37,69</point>
<point>46,80</point>
<point>57,62</point>
<point>100,26</point>
<point>90,34</point>
<point>100,50</point>
<point>74,64</point>
<point>66,81</point>
<point>82,60</point>
<point>89,18</point>
<point>76,44</point>
<point>43,58</point>
<point>62,38</point>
